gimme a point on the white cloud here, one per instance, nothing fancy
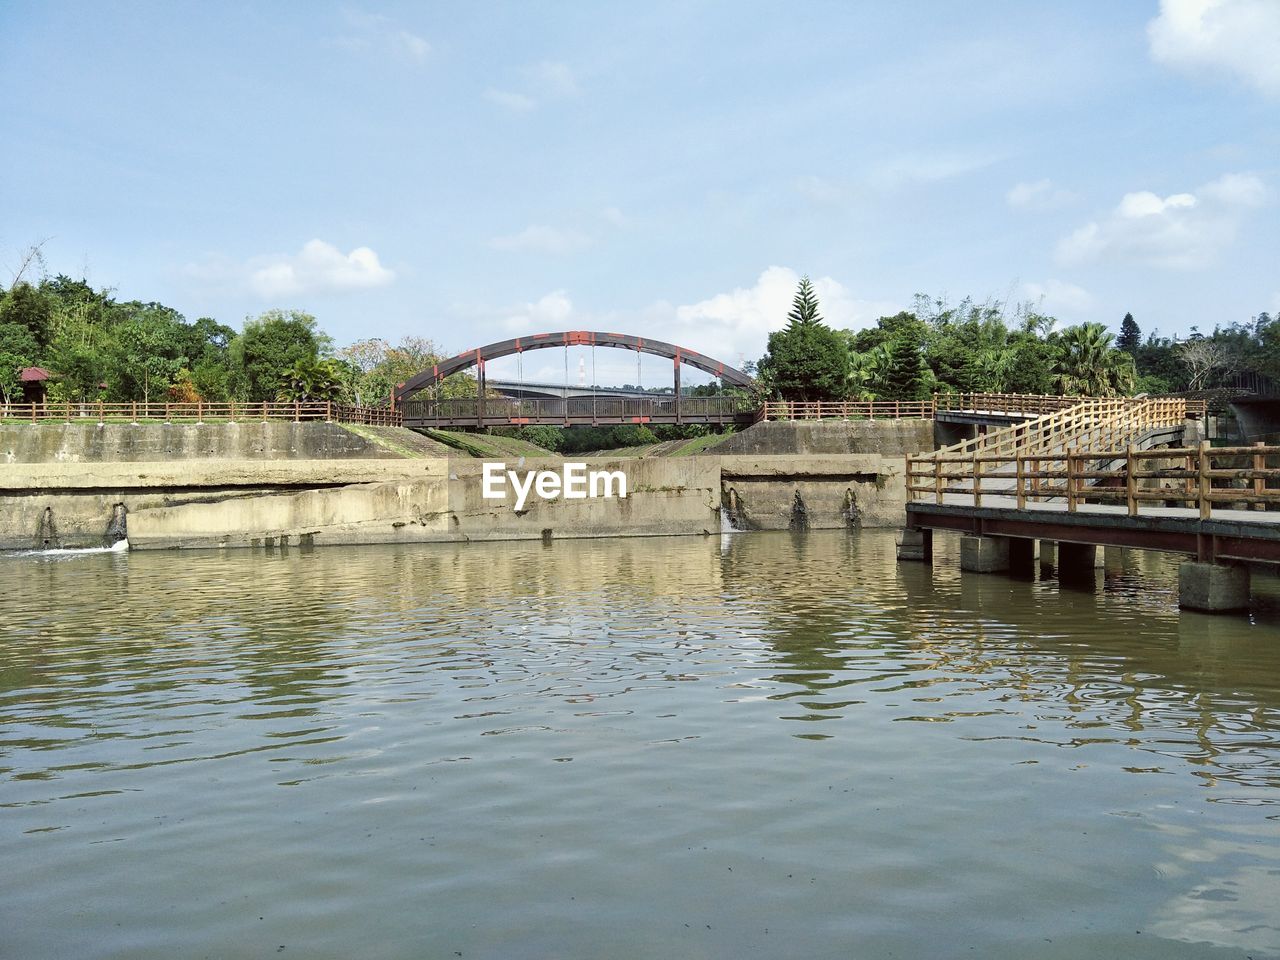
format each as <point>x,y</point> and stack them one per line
<point>552,78</point>
<point>1233,36</point>
<point>511,100</point>
<point>819,190</point>
<point>614,217</point>
<point>1058,295</point>
<point>545,80</point>
<point>739,322</point>
<point>319,267</point>
<point>1038,196</point>
<point>547,314</point>
<point>1180,231</point>
<point>933,167</point>
<point>414,45</point>
<point>375,32</point>
<point>542,239</point>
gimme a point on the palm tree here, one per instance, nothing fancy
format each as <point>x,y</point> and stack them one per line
<point>1089,363</point>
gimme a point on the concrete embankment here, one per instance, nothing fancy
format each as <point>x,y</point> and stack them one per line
<point>72,500</point>
<point>164,442</point>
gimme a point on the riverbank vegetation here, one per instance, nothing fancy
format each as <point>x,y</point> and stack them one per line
<point>993,347</point>
<point>101,348</point>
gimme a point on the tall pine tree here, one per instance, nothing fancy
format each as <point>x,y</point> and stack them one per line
<point>1130,338</point>
<point>806,359</point>
<point>804,308</point>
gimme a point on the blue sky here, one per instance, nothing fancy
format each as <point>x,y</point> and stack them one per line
<point>469,171</point>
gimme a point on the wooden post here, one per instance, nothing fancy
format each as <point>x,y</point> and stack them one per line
<point>937,478</point>
<point>1071,480</point>
<point>1020,470</point>
<point>1205,483</point>
<point>1259,484</point>
<point>977,481</point>
<point>1131,481</point>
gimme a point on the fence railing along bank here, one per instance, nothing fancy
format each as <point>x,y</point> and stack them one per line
<point>199,412</point>
<point>993,403</point>
<point>1089,454</point>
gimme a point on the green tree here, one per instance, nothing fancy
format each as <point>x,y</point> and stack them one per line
<point>269,345</point>
<point>18,349</point>
<point>804,307</point>
<point>1130,338</point>
<point>310,380</point>
<point>905,377</point>
<point>806,360</point>
<point>1088,362</point>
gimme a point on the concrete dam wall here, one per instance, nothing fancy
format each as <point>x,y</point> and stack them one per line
<point>240,503</point>
<point>247,484</point>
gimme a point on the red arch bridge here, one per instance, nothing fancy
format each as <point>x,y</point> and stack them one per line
<point>418,400</point>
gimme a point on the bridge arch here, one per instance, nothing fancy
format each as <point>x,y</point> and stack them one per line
<point>571,338</point>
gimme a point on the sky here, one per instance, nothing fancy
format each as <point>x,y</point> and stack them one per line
<point>474,171</point>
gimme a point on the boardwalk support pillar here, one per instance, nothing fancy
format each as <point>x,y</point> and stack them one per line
<point>1213,587</point>
<point>984,554</point>
<point>1048,557</point>
<point>1077,563</point>
<point>1022,557</point>
<point>915,545</point>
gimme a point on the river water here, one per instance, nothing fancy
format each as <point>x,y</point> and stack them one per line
<point>762,745</point>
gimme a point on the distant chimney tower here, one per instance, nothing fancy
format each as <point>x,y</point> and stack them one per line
<point>582,371</point>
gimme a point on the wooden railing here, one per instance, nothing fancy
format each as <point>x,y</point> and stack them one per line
<point>1201,477</point>
<point>198,412</point>
<point>1088,423</point>
<point>1030,405</point>
<point>1020,403</point>
<point>848,410</point>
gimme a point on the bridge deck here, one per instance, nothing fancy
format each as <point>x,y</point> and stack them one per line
<point>1226,535</point>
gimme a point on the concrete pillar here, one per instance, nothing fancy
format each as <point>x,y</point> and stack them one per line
<point>1022,557</point>
<point>1077,563</point>
<point>1048,556</point>
<point>1213,587</point>
<point>984,554</point>
<point>916,545</point>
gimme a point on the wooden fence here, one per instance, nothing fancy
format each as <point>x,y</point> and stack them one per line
<point>1017,404</point>
<point>1200,477</point>
<point>848,410</point>
<point>198,412</point>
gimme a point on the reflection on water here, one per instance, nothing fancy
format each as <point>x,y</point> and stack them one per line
<point>761,744</point>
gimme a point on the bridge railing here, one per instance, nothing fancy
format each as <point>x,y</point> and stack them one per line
<point>198,412</point>
<point>993,464</point>
<point>577,409</point>
<point>1202,477</point>
<point>1014,403</point>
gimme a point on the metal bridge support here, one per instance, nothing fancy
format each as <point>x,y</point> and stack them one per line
<point>676,376</point>
<point>916,545</point>
<point>984,554</point>
<point>1213,587</point>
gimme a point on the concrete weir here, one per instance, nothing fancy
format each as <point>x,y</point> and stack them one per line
<point>245,503</point>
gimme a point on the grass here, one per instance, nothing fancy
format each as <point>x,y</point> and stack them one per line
<point>487,446</point>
